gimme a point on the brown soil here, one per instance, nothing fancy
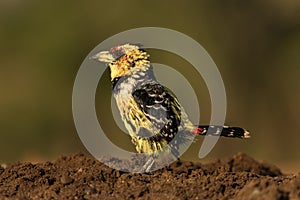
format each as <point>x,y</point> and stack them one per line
<point>81,177</point>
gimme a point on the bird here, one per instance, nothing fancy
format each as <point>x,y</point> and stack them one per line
<point>151,113</point>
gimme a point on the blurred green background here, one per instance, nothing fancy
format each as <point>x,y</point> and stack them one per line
<point>255,44</point>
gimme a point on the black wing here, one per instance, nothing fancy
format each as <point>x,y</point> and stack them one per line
<point>161,107</point>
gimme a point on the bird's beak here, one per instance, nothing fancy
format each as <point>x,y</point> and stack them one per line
<point>103,56</point>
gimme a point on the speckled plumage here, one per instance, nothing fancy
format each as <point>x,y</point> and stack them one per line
<point>151,113</point>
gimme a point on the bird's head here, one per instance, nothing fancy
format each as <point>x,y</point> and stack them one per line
<point>124,59</point>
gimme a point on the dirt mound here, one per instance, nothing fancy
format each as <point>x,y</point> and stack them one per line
<point>81,177</point>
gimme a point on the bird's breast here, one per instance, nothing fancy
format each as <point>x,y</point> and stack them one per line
<point>132,116</point>
<point>123,93</point>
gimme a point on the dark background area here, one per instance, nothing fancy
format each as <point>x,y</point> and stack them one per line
<point>255,45</point>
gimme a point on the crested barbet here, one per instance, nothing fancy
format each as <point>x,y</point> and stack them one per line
<point>151,113</point>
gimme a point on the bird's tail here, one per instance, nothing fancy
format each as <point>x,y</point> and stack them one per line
<point>225,131</point>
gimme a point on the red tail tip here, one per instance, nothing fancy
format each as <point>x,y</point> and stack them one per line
<point>197,131</point>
